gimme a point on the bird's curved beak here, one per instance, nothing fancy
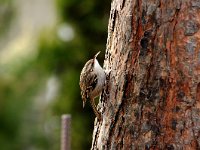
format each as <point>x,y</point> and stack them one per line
<point>95,56</point>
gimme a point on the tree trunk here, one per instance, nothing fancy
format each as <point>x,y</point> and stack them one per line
<point>152,96</point>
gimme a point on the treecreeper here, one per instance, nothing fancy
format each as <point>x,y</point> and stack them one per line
<point>92,81</point>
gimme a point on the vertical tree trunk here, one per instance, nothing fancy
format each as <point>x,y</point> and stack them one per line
<point>152,97</point>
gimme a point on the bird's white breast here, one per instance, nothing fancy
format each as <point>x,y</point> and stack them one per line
<point>101,78</point>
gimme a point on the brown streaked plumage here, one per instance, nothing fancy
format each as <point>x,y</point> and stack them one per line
<point>92,80</point>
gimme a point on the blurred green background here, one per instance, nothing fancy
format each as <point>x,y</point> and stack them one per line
<point>43,47</point>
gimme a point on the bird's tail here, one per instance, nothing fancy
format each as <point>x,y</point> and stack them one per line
<point>92,102</point>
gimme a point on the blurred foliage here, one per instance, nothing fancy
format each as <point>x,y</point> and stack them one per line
<point>27,119</point>
<point>6,15</point>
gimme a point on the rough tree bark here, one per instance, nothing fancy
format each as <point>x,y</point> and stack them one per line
<point>152,97</point>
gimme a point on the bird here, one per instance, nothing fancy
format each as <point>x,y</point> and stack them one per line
<point>92,81</point>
